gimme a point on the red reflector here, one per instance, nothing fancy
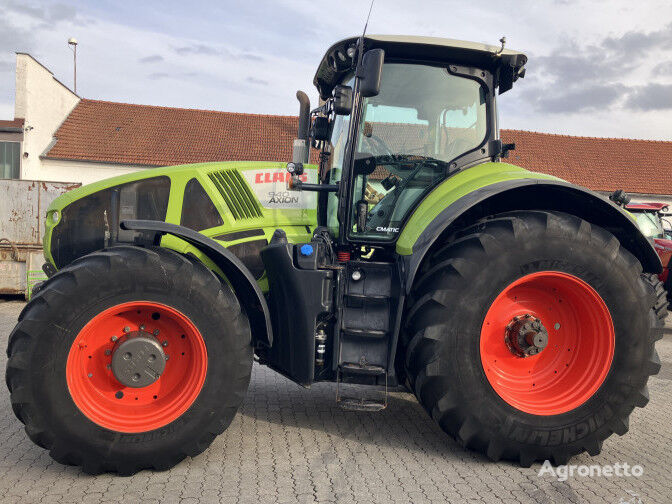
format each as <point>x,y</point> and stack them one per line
<point>343,255</point>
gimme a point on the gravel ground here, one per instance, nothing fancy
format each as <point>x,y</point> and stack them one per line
<point>288,444</point>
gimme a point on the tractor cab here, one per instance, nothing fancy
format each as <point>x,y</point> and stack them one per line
<point>399,115</point>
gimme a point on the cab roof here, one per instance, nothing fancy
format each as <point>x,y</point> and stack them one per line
<point>505,65</point>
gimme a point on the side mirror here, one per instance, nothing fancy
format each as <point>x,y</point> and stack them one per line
<point>370,72</point>
<point>320,129</point>
<point>342,100</point>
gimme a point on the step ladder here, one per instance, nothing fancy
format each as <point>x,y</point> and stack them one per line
<point>364,402</point>
<point>370,298</point>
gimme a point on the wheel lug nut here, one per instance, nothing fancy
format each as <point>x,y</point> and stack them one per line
<point>108,352</point>
<point>164,343</point>
<point>90,375</point>
<point>114,338</point>
<point>156,332</point>
<point>142,327</point>
<point>127,329</point>
<point>167,357</point>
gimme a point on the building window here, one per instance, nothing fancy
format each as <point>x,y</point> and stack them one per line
<point>10,160</point>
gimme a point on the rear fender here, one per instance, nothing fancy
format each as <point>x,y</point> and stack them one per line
<point>235,272</point>
<point>531,194</point>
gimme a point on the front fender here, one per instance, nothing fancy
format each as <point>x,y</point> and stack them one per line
<point>236,273</point>
<point>499,187</point>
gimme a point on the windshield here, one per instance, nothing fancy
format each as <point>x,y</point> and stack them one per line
<point>650,225</point>
<point>423,119</point>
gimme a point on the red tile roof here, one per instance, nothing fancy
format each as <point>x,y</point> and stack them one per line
<point>11,124</point>
<point>158,136</point>
<point>602,164</point>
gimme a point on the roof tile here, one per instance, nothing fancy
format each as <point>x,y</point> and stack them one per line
<point>146,135</point>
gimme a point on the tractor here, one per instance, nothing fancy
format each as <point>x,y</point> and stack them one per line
<point>396,249</point>
<point>651,221</point>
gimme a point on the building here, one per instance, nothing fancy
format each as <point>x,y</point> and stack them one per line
<point>62,137</point>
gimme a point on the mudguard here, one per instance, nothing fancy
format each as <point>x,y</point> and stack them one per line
<point>240,278</point>
<point>528,191</point>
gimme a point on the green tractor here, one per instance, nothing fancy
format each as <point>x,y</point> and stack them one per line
<point>521,310</point>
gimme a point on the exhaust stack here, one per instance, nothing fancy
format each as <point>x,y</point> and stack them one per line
<point>301,150</point>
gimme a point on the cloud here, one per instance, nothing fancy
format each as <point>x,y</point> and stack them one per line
<point>611,57</point>
<point>15,37</point>
<point>60,12</point>
<point>196,49</point>
<point>634,44</point>
<point>650,97</point>
<point>52,13</point>
<point>664,68</point>
<point>172,75</point>
<point>159,75</point>
<point>251,57</point>
<point>590,61</point>
<point>209,50</point>
<point>154,58</point>
<point>6,66</point>
<point>592,97</point>
<point>578,77</point>
<point>259,82</point>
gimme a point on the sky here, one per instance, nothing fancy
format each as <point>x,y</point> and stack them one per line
<point>596,67</point>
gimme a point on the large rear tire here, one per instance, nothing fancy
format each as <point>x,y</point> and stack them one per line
<point>530,336</point>
<point>68,369</point>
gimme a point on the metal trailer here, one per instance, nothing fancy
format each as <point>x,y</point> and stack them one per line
<point>23,205</point>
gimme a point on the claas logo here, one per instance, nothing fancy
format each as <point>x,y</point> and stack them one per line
<point>275,176</point>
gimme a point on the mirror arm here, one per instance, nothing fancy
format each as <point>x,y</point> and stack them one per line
<point>302,186</point>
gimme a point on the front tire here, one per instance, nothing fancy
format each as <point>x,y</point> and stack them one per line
<point>69,375</point>
<point>481,302</point>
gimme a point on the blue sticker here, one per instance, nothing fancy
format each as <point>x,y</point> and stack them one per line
<point>306,250</point>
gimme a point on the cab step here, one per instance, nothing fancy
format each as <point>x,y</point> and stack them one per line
<point>362,369</point>
<point>363,403</point>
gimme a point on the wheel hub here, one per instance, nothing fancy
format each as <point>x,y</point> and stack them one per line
<point>138,360</point>
<point>525,336</point>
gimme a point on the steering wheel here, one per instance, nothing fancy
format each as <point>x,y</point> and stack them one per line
<point>376,141</point>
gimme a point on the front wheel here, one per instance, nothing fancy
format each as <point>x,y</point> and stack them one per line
<point>129,358</point>
<point>531,336</point>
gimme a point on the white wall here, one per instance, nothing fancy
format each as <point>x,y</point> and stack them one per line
<point>44,103</point>
<point>82,171</point>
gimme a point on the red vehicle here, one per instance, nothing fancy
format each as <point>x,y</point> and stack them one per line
<point>651,222</point>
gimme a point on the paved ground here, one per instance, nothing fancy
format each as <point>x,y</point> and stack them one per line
<point>291,445</point>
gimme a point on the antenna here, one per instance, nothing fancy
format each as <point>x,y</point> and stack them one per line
<point>361,39</point>
<point>366,25</point>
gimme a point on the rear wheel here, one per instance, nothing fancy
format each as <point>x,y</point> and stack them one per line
<point>531,336</point>
<point>129,358</point>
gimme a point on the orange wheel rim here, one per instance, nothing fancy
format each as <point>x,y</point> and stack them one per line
<point>579,350</point>
<point>104,400</point>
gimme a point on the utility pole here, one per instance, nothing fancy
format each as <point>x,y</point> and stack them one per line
<point>72,42</point>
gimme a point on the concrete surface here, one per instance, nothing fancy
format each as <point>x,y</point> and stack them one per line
<point>291,445</point>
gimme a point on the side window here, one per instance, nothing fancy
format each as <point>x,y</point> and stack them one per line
<point>198,210</point>
<point>10,160</point>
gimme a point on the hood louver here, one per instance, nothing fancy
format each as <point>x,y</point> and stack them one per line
<point>236,193</point>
